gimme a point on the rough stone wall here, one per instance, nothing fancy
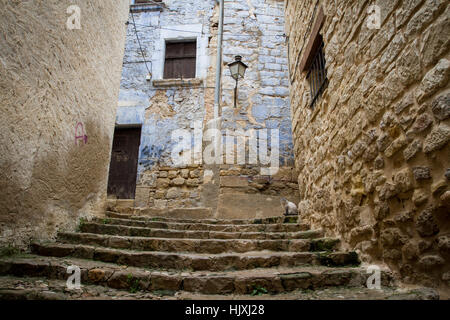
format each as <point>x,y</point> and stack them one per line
<point>59,90</point>
<point>162,106</point>
<point>253,29</point>
<point>373,156</point>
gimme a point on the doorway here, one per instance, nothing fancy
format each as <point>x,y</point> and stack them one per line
<point>124,162</point>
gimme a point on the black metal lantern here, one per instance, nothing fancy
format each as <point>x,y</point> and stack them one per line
<point>237,70</point>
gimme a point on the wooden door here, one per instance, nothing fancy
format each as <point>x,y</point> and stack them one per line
<point>124,161</point>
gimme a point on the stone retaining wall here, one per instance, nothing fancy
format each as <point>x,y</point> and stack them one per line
<point>373,156</point>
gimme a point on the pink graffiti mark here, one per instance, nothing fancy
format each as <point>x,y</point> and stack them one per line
<point>80,135</point>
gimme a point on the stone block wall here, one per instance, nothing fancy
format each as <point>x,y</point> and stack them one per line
<point>252,29</point>
<point>59,90</point>
<point>170,187</point>
<point>244,192</point>
<point>373,156</point>
<point>255,30</point>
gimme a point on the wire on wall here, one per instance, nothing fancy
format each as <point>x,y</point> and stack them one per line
<point>140,46</point>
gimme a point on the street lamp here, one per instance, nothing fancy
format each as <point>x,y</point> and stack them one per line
<point>237,69</point>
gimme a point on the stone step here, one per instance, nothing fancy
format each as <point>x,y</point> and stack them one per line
<point>196,262</point>
<point>272,220</point>
<point>120,230</point>
<point>274,280</point>
<point>213,246</point>
<point>279,227</point>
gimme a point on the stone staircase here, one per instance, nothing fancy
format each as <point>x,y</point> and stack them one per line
<point>199,257</point>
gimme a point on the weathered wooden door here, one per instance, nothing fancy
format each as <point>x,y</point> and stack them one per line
<point>124,161</point>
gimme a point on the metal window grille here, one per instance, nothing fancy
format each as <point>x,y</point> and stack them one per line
<point>317,75</point>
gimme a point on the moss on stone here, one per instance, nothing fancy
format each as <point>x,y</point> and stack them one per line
<point>290,219</point>
<point>324,244</point>
<point>8,251</point>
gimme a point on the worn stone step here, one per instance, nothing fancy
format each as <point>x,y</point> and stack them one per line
<point>275,280</point>
<point>39,288</point>
<point>272,220</point>
<point>213,246</point>
<point>120,230</point>
<point>278,227</point>
<point>191,261</point>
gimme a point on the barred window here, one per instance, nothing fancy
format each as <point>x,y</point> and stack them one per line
<point>313,59</point>
<point>317,74</point>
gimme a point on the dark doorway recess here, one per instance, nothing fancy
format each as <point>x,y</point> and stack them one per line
<point>124,162</point>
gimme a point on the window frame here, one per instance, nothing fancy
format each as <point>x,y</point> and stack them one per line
<point>315,48</point>
<point>165,57</point>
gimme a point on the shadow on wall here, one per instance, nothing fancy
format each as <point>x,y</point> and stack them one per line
<point>64,186</point>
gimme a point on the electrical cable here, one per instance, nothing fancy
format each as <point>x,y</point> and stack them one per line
<point>140,46</point>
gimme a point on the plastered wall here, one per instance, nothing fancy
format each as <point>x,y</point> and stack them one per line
<point>59,89</point>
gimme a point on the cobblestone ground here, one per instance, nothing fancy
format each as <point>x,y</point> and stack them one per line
<point>43,289</point>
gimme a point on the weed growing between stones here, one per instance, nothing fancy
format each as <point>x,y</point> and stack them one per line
<point>8,251</point>
<point>259,291</point>
<point>132,283</point>
<point>81,224</point>
<point>106,221</point>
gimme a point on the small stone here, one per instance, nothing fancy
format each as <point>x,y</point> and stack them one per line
<point>405,122</point>
<point>160,194</point>
<point>431,261</point>
<point>406,102</point>
<point>193,182</point>
<point>412,150</point>
<point>162,183</point>
<point>410,250</point>
<point>195,173</point>
<point>422,173</point>
<point>163,174</point>
<point>173,193</point>
<point>439,187</point>
<point>383,142</point>
<point>172,174</point>
<point>419,197</point>
<point>437,138</point>
<point>443,243</point>
<point>441,107</point>
<point>96,275</point>
<point>426,224</point>
<point>395,146</point>
<point>435,79</point>
<point>178,181</point>
<point>403,181</point>
<point>185,173</point>
<point>379,163</point>
<point>422,122</point>
<point>387,191</point>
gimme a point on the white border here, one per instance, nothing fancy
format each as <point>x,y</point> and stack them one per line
<point>181,32</point>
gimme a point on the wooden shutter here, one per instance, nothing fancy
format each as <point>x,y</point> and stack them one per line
<point>181,58</point>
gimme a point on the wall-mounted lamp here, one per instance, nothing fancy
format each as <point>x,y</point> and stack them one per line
<point>237,69</point>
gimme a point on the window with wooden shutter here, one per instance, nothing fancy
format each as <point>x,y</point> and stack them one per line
<point>181,58</point>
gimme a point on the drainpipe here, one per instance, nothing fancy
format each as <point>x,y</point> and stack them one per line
<point>219,62</point>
